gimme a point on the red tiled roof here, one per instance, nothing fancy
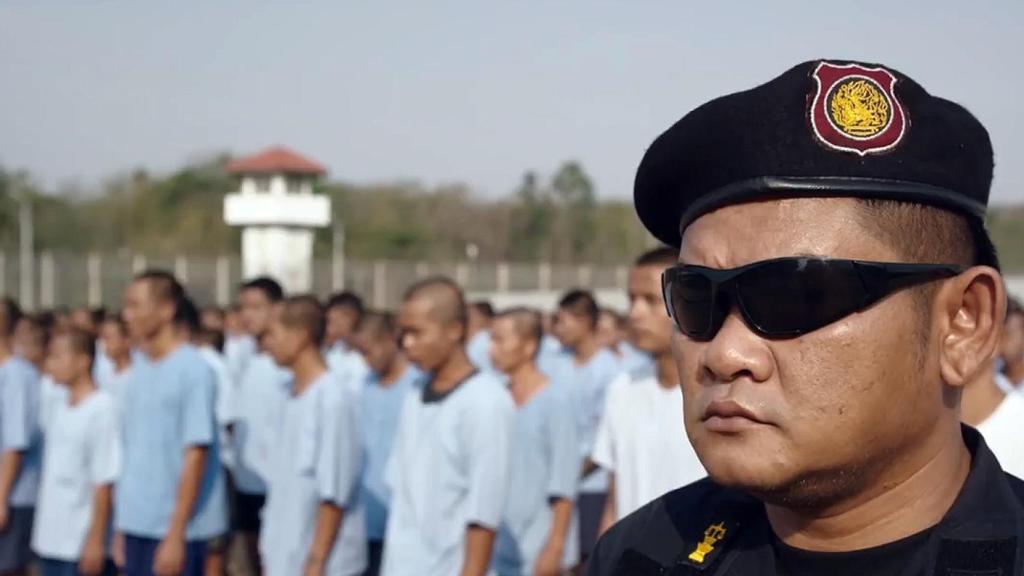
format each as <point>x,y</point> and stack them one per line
<point>277,159</point>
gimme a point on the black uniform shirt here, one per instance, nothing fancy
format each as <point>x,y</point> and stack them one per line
<point>705,529</point>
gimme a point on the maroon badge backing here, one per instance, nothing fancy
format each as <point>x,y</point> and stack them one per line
<point>855,109</point>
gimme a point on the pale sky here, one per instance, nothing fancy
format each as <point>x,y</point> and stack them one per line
<point>472,91</point>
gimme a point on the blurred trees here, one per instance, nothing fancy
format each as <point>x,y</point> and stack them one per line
<point>556,217</point>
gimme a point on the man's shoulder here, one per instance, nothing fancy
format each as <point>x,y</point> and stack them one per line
<point>1017,486</point>
<point>484,388</point>
<point>677,522</point>
<point>19,368</point>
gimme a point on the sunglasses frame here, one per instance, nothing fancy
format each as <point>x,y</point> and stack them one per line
<point>878,280</point>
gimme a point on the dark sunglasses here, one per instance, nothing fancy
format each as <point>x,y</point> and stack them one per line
<point>785,297</point>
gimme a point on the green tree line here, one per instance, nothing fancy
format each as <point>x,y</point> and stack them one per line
<point>554,217</point>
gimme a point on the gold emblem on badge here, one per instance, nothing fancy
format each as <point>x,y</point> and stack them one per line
<point>712,536</point>
<point>858,107</point>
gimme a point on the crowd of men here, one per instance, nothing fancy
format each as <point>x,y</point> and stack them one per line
<point>837,324</point>
<point>325,438</point>
<point>445,438</point>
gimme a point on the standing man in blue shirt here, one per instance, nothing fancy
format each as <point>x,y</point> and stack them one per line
<point>170,498</point>
<point>449,467</point>
<point>344,311</point>
<point>314,523</point>
<point>588,369</point>
<point>478,335</point>
<point>19,447</point>
<point>392,377</point>
<point>262,391</point>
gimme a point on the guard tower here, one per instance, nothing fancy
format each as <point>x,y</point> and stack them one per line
<point>278,211</point>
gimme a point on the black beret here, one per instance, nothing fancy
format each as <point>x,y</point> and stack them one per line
<point>821,129</point>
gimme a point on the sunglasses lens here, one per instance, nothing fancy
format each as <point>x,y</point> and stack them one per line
<point>690,297</point>
<point>794,297</point>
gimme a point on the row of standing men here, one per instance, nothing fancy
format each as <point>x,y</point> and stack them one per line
<point>443,439</point>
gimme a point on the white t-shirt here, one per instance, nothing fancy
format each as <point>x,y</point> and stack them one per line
<point>83,451</point>
<point>642,441</point>
<point>1003,431</point>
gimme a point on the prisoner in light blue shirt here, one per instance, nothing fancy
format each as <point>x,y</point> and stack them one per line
<point>448,470</point>
<point>261,393</point>
<point>169,407</point>
<point>19,426</point>
<point>587,384</point>
<point>348,367</point>
<point>545,465</point>
<point>478,349</point>
<point>635,362</point>
<point>315,459</point>
<point>382,406</point>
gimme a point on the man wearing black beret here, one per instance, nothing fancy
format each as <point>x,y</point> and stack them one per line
<point>835,292</point>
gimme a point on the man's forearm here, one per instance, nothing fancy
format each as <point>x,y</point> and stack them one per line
<point>479,543</point>
<point>188,490</point>
<point>328,523</point>
<point>609,514</point>
<point>10,465</point>
<point>588,468</point>
<point>561,509</point>
<point>101,506</point>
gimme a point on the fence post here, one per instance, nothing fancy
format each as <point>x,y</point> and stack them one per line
<point>223,281</point>
<point>46,280</point>
<point>181,269</point>
<point>544,276</point>
<point>621,277</point>
<point>502,281</point>
<point>379,278</point>
<point>338,259</point>
<point>26,244</point>
<point>138,264</point>
<point>583,275</point>
<point>93,270</point>
<point>462,275</point>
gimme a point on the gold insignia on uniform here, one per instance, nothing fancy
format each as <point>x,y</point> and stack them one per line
<point>712,535</point>
<point>858,107</point>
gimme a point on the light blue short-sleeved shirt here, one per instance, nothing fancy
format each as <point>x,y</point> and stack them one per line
<point>635,362</point>
<point>449,469</point>
<point>478,349</point>
<point>238,349</point>
<point>83,452</point>
<point>588,385</point>
<point>262,392</point>
<point>169,407</point>
<point>382,406</point>
<point>545,465</point>
<point>19,426</point>
<point>316,459</point>
<point>348,367</point>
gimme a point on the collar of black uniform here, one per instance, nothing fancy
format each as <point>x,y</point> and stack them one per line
<point>982,532</point>
<point>979,536</point>
<point>429,396</point>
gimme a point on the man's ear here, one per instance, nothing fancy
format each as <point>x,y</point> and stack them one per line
<point>457,331</point>
<point>969,311</point>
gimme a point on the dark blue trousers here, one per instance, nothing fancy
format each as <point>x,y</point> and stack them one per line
<point>139,553</point>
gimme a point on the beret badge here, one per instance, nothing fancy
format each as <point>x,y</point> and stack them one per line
<point>855,109</point>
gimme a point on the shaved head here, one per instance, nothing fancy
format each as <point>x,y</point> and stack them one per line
<point>377,325</point>
<point>528,323</point>
<point>443,297</point>
<point>306,313</point>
